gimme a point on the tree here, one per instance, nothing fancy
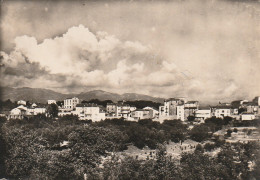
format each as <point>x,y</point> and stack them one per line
<point>191,118</point>
<point>52,110</point>
<point>200,133</point>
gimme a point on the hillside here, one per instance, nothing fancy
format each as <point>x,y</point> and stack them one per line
<point>42,95</point>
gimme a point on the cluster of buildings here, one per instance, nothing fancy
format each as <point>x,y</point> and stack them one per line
<point>173,108</point>
<point>179,108</point>
<point>24,111</point>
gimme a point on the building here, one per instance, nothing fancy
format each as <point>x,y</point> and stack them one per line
<point>111,108</point>
<point>34,105</point>
<point>189,111</point>
<point>139,114</point>
<point>21,102</point>
<point>155,112</point>
<point>51,102</point>
<point>36,110</point>
<point>180,112</point>
<point>202,114</point>
<point>70,103</point>
<point>221,111</point>
<point>247,116</point>
<point>89,111</point>
<point>252,107</point>
<point>191,104</point>
<point>169,109</point>
<point>17,113</point>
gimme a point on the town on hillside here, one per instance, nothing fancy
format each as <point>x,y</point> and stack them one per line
<point>172,109</point>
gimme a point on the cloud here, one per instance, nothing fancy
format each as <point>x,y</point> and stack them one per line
<point>81,60</point>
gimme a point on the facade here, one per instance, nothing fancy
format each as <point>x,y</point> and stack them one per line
<point>247,116</point>
<point>252,108</point>
<point>155,112</point>
<point>178,108</point>
<point>221,111</point>
<point>36,111</point>
<point>142,114</point>
<point>169,110</point>
<point>17,113</point>
<point>202,114</point>
<point>111,108</point>
<point>180,112</point>
<point>89,112</point>
<point>189,111</point>
<point>119,110</point>
<point>51,102</point>
<point>123,110</point>
<point>71,103</point>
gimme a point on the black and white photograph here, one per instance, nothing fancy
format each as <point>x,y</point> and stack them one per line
<point>129,89</point>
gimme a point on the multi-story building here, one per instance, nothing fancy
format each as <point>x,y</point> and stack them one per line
<point>180,112</point>
<point>169,109</point>
<point>221,111</point>
<point>71,103</point>
<point>89,111</point>
<point>178,108</point>
<point>189,111</point>
<point>155,112</point>
<point>139,114</point>
<point>111,108</point>
<point>202,114</point>
<point>252,107</point>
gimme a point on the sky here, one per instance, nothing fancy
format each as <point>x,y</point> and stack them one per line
<point>207,50</point>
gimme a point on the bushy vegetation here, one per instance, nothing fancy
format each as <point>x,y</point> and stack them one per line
<point>66,148</point>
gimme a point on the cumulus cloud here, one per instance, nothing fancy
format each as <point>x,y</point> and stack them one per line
<point>82,60</point>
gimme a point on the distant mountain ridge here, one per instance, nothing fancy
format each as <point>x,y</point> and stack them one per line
<point>42,95</point>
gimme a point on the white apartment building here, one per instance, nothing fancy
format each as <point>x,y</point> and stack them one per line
<point>221,111</point>
<point>141,114</point>
<point>89,112</point>
<point>169,109</point>
<point>36,110</point>
<point>123,110</point>
<point>71,103</point>
<point>202,114</point>
<point>180,112</point>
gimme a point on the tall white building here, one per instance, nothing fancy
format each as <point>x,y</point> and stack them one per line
<point>71,103</point>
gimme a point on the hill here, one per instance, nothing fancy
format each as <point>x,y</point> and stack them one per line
<point>42,95</point>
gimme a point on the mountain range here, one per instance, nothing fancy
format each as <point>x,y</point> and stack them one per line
<point>42,95</point>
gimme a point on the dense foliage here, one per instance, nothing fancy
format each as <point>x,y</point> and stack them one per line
<point>66,148</point>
